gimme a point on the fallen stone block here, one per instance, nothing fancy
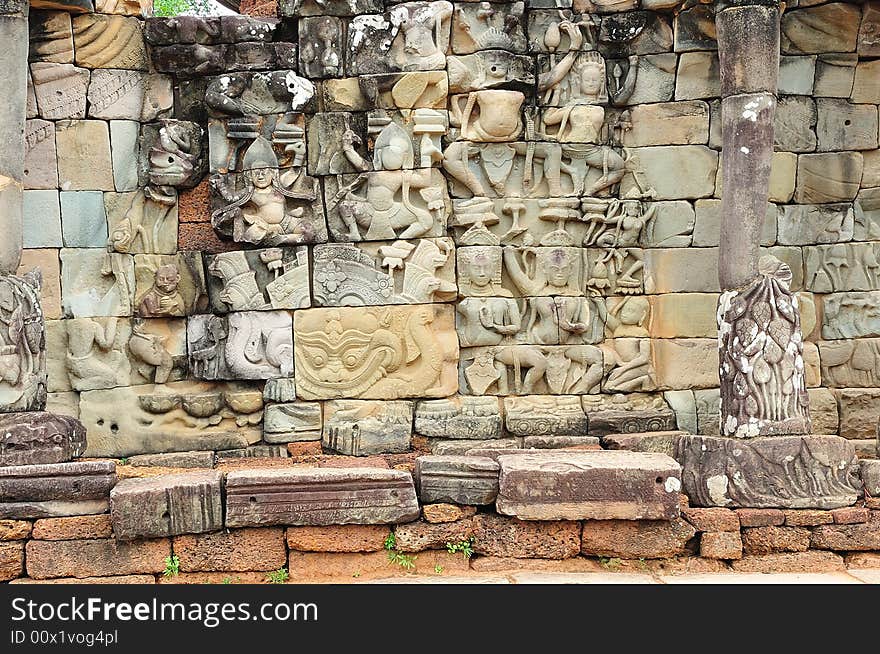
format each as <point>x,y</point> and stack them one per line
<point>235,550</point>
<point>322,496</point>
<point>95,558</point>
<point>167,505</point>
<point>496,535</point>
<point>81,480</point>
<point>470,480</point>
<point>39,437</point>
<point>443,447</point>
<point>589,485</point>
<point>630,539</point>
<point>792,472</point>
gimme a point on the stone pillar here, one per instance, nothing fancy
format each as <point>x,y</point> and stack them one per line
<point>763,388</point>
<point>13,107</point>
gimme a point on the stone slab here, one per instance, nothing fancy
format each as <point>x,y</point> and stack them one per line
<point>589,486</point>
<point>167,505</point>
<point>52,508</point>
<point>321,496</point>
<point>73,528</point>
<point>39,437</point>
<point>795,472</point>
<point>628,539</point>
<point>469,480</point>
<point>85,480</point>
<point>496,535</point>
<point>47,559</point>
<point>233,550</point>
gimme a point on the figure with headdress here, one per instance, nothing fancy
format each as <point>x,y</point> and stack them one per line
<point>388,209</point>
<point>260,213</point>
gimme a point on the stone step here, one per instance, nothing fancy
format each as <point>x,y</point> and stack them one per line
<point>167,505</point>
<point>319,496</point>
<point>602,485</point>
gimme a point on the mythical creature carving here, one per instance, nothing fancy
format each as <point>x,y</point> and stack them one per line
<point>22,344</point>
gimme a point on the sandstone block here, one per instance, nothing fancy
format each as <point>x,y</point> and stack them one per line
<point>73,528</point>
<point>859,412</point>
<point>686,363</point>
<point>52,508</point>
<point>870,470</point>
<point>668,123</point>
<point>365,427</point>
<point>597,485</point>
<point>103,557</point>
<point>41,215</point>
<point>462,417</point>
<point>39,437</point>
<point>545,415</point>
<point>698,76</point>
<point>725,545</point>
<point>173,460</point>
<point>796,75</point>
<point>768,471</point>
<point>324,496</point>
<point>695,167</point>
<point>291,422</point>
<point>662,442</point>
<point>845,126</point>
<point>655,80</point>
<point>794,124</point>
<point>167,505</point>
<point>83,220</point>
<point>826,28</point>
<point>337,538</point>
<point>682,315</point>
<point>866,85</point>
<point>835,74</point>
<point>465,480</point>
<point>496,535</point>
<point>85,480</point>
<point>828,177</point>
<point>84,161</point>
<point>649,539</point>
<point>235,550</point>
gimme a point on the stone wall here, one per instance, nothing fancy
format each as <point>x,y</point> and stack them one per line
<point>376,229</point>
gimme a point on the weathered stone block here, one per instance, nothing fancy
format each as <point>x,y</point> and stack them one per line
<point>768,540</point>
<point>777,471</point>
<point>496,535</point>
<point>724,545</point>
<point>794,124</point>
<point>596,485</point>
<point>695,167</point>
<point>11,560</point>
<point>678,315</point>
<point>670,123</point>
<point>866,84</point>
<point>167,505</point>
<point>655,79</point>
<point>103,557</point>
<point>19,529</point>
<point>561,442</point>
<point>686,363</point>
<point>809,517</point>
<point>83,219</point>
<point>796,75</point>
<point>52,508</point>
<point>319,497</point>
<point>835,74</point>
<point>828,177</point>
<point>445,446</point>
<point>456,479</point>
<point>41,216</point>
<point>463,416</point>
<point>84,160</point>
<point>40,159</point>
<point>859,412</point>
<point>790,562</point>
<point>627,539</point>
<point>535,415</point>
<point>419,536</point>
<point>103,41</point>
<point>870,470</point>
<point>826,28</point>
<point>173,460</point>
<point>761,517</point>
<point>437,513</point>
<point>39,437</point>
<point>73,528</point>
<point>852,515</point>
<point>337,538</point>
<point>633,413</point>
<point>234,550</point>
<point>859,537</point>
<point>292,422</point>
<point>364,427</point>
<point>711,519</point>
<point>85,480</point>
<point>662,442</point>
<point>845,126</point>
<point>698,76</point>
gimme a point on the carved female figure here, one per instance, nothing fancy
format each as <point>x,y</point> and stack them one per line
<point>556,271</point>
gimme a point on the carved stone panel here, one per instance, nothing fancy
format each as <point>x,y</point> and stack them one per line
<point>337,143</point>
<point>51,37</point>
<point>519,221</point>
<point>240,143</point>
<point>241,345</point>
<point>530,370</point>
<point>851,315</point>
<point>142,222</point>
<point>40,162</point>
<point>239,96</point>
<point>487,116</point>
<point>116,94</point>
<point>169,285</point>
<point>157,351</point>
<point>543,271</point>
<point>468,480</point>
<point>491,69</point>
<point>806,224</point>
<point>275,278</point>
<point>406,138</point>
<point>22,345</point>
<point>323,496</point>
<point>365,427</point>
<point>480,26</point>
<point>462,416</point>
<point>842,267</point>
<point>545,415</point>
<point>292,422</point>
<point>386,205</point>
<point>328,7</point>
<point>382,353</point>
<point>95,354</point>
<point>850,363</point>
<point>78,480</point>
<point>398,272</point>
<point>175,417</point>
<point>321,47</point>
<point>411,36</point>
<point>103,41</point>
<point>171,156</point>
<point>39,437</point>
<point>629,413</point>
<point>60,90</point>
<point>96,283</point>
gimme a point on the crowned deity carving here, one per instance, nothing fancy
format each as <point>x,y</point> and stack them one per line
<point>22,344</point>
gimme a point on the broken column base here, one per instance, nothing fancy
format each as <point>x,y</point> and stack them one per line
<point>786,472</point>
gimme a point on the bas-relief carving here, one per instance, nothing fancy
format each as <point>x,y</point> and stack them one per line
<point>174,155</point>
<point>479,26</point>
<point>410,36</point>
<point>842,267</point>
<point>522,222</point>
<point>124,7</point>
<point>22,345</point>
<point>169,285</point>
<point>231,138</point>
<point>364,427</point>
<point>488,116</point>
<point>157,351</point>
<point>543,271</point>
<point>850,363</point>
<point>241,345</point>
<point>103,41</point>
<point>491,69</point>
<point>142,222</point>
<point>60,90</point>
<point>174,417</point>
<point>417,89</point>
<point>394,203</point>
<point>461,416</point>
<point>96,283</point>
<point>116,94</point>
<point>413,136</point>
<point>399,272</point>
<point>246,95</point>
<point>321,42</point>
<point>806,224</point>
<point>531,369</point>
<point>328,7</point>
<point>265,205</point>
<point>851,315</point>
<point>51,37</point>
<point>292,422</point>
<point>382,353</point>
<point>628,353</point>
<point>763,386</point>
<point>337,143</point>
<point>275,278</point>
